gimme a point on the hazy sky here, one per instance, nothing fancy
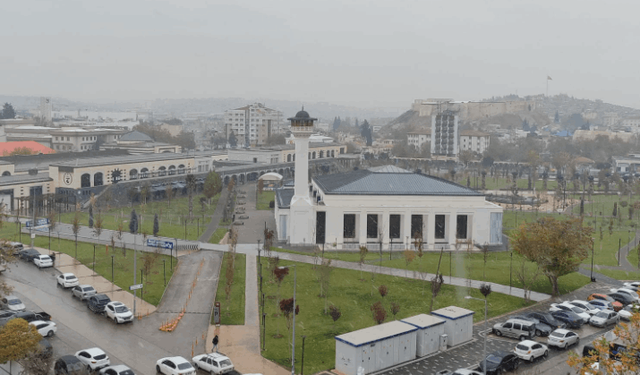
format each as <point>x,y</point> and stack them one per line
<point>363,53</point>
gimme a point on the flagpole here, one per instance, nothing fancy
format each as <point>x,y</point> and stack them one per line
<point>547,86</point>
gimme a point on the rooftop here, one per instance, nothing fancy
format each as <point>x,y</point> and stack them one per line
<point>6,148</point>
<point>423,321</point>
<point>24,179</point>
<point>122,159</point>
<point>375,333</point>
<point>452,312</point>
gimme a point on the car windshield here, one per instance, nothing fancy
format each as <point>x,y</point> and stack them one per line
<point>70,277</point>
<point>557,334</point>
<point>602,315</point>
<point>184,366</point>
<point>522,347</point>
<point>577,310</point>
<point>127,372</point>
<point>494,359</point>
<point>88,289</point>
<point>14,301</point>
<point>121,309</point>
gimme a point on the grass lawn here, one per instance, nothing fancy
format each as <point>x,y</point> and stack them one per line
<point>232,312</point>
<point>122,262</point>
<point>264,199</point>
<point>633,257</point>
<point>218,235</point>
<point>353,293</point>
<point>620,275</point>
<point>171,217</point>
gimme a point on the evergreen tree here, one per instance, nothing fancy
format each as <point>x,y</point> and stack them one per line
<point>556,118</point>
<point>8,112</point>
<point>233,141</point>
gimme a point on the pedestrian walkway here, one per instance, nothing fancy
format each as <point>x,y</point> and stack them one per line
<point>216,217</point>
<point>65,263</point>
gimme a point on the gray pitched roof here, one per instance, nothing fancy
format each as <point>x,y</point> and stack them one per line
<point>283,196</point>
<point>136,136</point>
<point>366,182</point>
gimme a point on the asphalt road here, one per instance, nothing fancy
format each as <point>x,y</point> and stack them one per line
<point>139,344</point>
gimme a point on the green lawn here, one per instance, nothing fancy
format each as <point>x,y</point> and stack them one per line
<point>633,257</point>
<point>218,235</point>
<point>264,199</point>
<point>171,217</point>
<point>122,264</point>
<point>620,275</point>
<point>232,306</point>
<point>353,294</point>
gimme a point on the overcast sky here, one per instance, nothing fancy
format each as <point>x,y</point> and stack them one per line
<point>364,53</point>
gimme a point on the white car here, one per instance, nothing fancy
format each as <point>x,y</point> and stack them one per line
<point>67,280</point>
<point>604,318</point>
<point>586,306</point>
<point>635,284</point>
<point>566,306</point>
<point>174,366</point>
<point>45,328</point>
<point>631,293</point>
<point>529,350</point>
<point>627,311</point>
<point>213,363</point>
<point>466,371</point>
<point>43,261</point>
<point>562,338</point>
<point>119,312</point>
<point>94,358</point>
<point>12,303</point>
<point>116,370</point>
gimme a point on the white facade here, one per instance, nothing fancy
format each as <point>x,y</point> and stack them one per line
<point>474,141</point>
<point>418,139</point>
<point>633,123</point>
<point>429,334</point>
<point>252,124</point>
<point>375,348</point>
<point>458,324</point>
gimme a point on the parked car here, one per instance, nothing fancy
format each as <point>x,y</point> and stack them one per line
<point>464,371</point>
<point>541,329</point>
<point>67,280</point>
<point>562,338</point>
<point>631,293</point>
<point>174,366</point>
<point>96,303</point>
<point>623,298</point>
<point>43,261</point>
<point>586,306</point>
<point>118,312</point>
<point>68,365</point>
<point>601,304</point>
<point>12,303</point>
<point>93,358</point>
<point>17,247</point>
<point>569,318</point>
<point>635,284</point>
<point>116,370</point>
<point>6,315</point>
<point>31,316</point>
<point>604,318</point>
<point>46,350</point>
<point>28,254</point>
<point>45,328</point>
<point>499,362</point>
<point>546,318</point>
<point>83,291</point>
<point>627,311</point>
<point>566,306</point>
<point>213,363</point>
<point>529,350</point>
<point>520,329</point>
<point>616,305</point>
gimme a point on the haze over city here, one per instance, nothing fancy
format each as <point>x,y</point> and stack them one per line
<point>359,53</point>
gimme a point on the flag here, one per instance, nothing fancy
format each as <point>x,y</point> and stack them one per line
<point>549,78</point>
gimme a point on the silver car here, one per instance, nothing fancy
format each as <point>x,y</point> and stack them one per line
<point>604,318</point>
<point>83,291</point>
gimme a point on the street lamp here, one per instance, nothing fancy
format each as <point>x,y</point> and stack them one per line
<point>293,339</point>
<point>484,351</point>
<point>593,244</point>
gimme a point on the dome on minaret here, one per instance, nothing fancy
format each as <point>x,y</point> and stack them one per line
<point>302,115</point>
<point>302,124</point>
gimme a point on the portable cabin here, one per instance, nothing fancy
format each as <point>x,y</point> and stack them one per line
<point>458,324</point>
<point>429,334</point>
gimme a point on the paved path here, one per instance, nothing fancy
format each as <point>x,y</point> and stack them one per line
<point>216,217</point>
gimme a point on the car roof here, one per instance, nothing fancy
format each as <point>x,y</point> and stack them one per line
<point>93,351</point>
<point>118,368</point>
<point>562,331</point>
<point>36,322</point>
<point>500,353</point>
<point>177,359</point>
<point>69,359</point>
<point>116,303</point>
<point>527,342</point>
<point>11,297</point>
<point>68,274</point>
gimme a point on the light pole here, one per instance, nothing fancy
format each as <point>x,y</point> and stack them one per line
<point>593,242</point>
<point>484,351</point>
<point>293,339</point>
<point>302,364</point>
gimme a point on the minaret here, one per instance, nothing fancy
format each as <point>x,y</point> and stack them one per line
<point>301,208</point>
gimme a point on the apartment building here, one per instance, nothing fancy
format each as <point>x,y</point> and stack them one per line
<point>417,139</point>
<point>252,124</point>
<point>474,141</point>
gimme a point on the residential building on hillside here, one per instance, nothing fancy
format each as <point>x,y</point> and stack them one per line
<point>632,123</point>
<point>252,124</point>
<point>444,134</point>
<point>474,141</point>
<point>417,139</point>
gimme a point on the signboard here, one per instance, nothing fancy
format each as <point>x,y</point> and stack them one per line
<point>134,287</point>
<point>39,222</point>
<point>152,242</point>
<point>216,313</point>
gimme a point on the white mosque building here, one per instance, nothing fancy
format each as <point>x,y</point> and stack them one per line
<point>383,206</point>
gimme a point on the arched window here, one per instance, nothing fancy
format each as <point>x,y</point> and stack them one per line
<point>144,173</point>
<point>133,174</point>
<point>162,171</point>
<point>172,170</point>
<point>321,155</point>
<point>97,179</point>
<point>313,155</point>
<point>6,173</point>
<point>181,169</point>
<point>289,158</point>
<point>85,180</point>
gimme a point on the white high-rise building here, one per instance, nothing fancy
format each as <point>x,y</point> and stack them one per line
<point>252,124</point>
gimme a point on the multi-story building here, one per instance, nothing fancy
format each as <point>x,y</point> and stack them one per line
<point>632,123</point>
<point>417,139</point>
<point>79,139</point>
<point>474,141</point>
<point>252,124</point>
<point>444,134</point>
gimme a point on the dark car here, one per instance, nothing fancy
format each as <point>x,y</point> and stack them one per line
<point>96,303</point>
<point>68,365</point>
<point>546,318</point>
<point>571,319</point>
<point>624,299</point>
<point>588,350</point>
<point>46,348</point>
<point>542,329</point>
<point>499,362</point>
<point>29,254</point>
<point>31,316</point>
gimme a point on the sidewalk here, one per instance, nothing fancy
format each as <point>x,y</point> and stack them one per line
<point>65,263</point>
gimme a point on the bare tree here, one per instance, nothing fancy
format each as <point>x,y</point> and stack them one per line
<point>436,283</point>
<point>36,362</point>
<point>324,278</point>
<point>363,256</point>
<point>75,226</point>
